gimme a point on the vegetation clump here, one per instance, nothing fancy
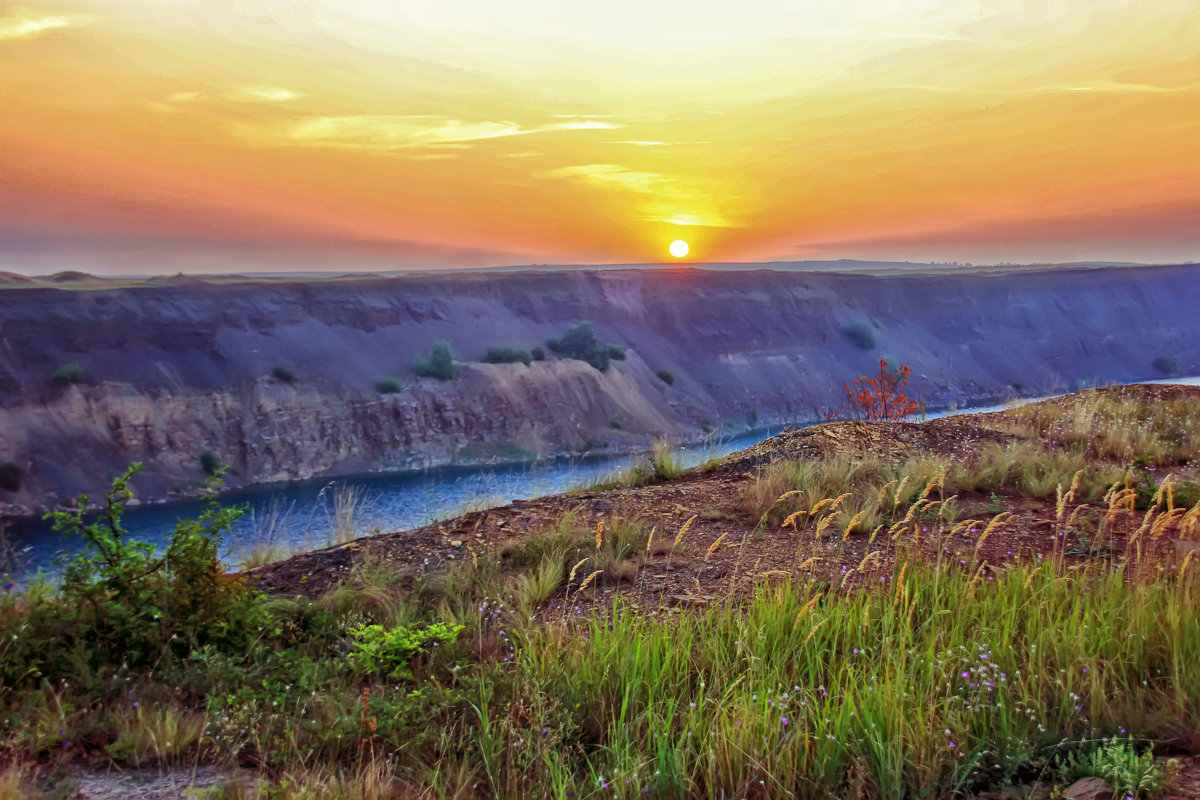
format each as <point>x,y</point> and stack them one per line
<point>581,343</point>
<point>860,335</point>
<point>507,355</point>
<point>283,374</point>
<point>666,376</point>
<point>1166,364</point>
<point>67,375</point>
<point>389,385</point>
<point>11,475</point>
<point>438,364</point>
<point>210,463</point>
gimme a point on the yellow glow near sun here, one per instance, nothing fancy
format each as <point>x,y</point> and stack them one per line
<point>679,248</point>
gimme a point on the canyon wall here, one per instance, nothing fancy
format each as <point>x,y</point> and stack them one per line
<point>171,372</point>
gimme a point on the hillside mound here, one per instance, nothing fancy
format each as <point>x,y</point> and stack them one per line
<point>982,489</point>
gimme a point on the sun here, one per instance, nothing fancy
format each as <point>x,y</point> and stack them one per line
<point>679,248</point>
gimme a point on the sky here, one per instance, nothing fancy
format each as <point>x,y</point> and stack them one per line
<point>241,135</point>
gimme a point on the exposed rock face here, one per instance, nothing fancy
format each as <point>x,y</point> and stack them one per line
<point>175,371</point>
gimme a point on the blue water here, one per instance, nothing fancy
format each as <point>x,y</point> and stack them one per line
<point>300,516</point>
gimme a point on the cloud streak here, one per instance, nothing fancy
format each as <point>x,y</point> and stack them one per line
<point>18,25</point>
<point>403,131</point>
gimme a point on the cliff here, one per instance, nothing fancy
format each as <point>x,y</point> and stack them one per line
<point>174,369</point>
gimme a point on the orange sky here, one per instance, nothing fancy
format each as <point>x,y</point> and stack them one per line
<point>156,135</point>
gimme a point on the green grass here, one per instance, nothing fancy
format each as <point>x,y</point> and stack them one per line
<point>929,682</point>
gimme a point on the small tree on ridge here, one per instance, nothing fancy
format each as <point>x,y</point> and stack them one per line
<point>880,398</point>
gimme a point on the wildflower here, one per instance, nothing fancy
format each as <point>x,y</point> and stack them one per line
<point>784,721</point>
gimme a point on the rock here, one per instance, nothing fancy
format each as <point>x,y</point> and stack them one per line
<point>690,600</point>
<point>1088,789</point>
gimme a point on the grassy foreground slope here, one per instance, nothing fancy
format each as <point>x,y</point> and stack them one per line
<point>855,610</point>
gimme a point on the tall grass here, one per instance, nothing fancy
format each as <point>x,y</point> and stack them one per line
<point>1110,425</point>
<point>662,463</point>
<point>929,684</point>
<point>349,504</point>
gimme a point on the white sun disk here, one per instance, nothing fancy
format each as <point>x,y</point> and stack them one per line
<point>679,248</point>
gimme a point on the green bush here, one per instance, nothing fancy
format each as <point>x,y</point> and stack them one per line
<point>1132,774</point>
<point>121,605</point>
<point>389,386</point>
<point>10,476</point>
<point>210,463</point>
<point>379,651</point>
<point>538,354</point>
<point>616,351</point>
<point>1167,365</point>
<point>440,363</point>
<point>67,374</point>
<point>666,376</point>
<point>616,423</point>
<point>580,343</point>
<point>283,375</point>
<point>507,355</point>
<point>860,334</point>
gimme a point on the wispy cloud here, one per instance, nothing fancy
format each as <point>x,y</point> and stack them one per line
<point>262,94</point>
<point>1097,87</point>
<point>258,93</point>
<point>17,25</point>
<point>400,131</point>
<point>612,176</point>
<point>661,196</point>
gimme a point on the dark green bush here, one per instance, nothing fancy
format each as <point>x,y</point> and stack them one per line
<point>67,374</point>
<point>580,343</point>
<point>616,423</point>
<point>666,376</point>
<point>440,363</point>
<point>283,375</point>
<point>538,354</point>
<point>10,476</point>
<point>1167,365</point>
<point>616,351</point>
<point>210,463</point>
<point>507,355</point>
<point>860,334</point>
<point>389,386</point>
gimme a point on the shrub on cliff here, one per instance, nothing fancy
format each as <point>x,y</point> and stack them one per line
<point>440,363</point>
<point>666,376</point>
<point>580,343</point>
<point>538,354</point>
<point>1167,365</point>
<point>10,476</point>
<point>389,386</point>
<point>508,355</point>
<point>283,375</point>
<point>616,351</point>
<point>210,463</point>
<point>67,374</point>
<point>860,334</point>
